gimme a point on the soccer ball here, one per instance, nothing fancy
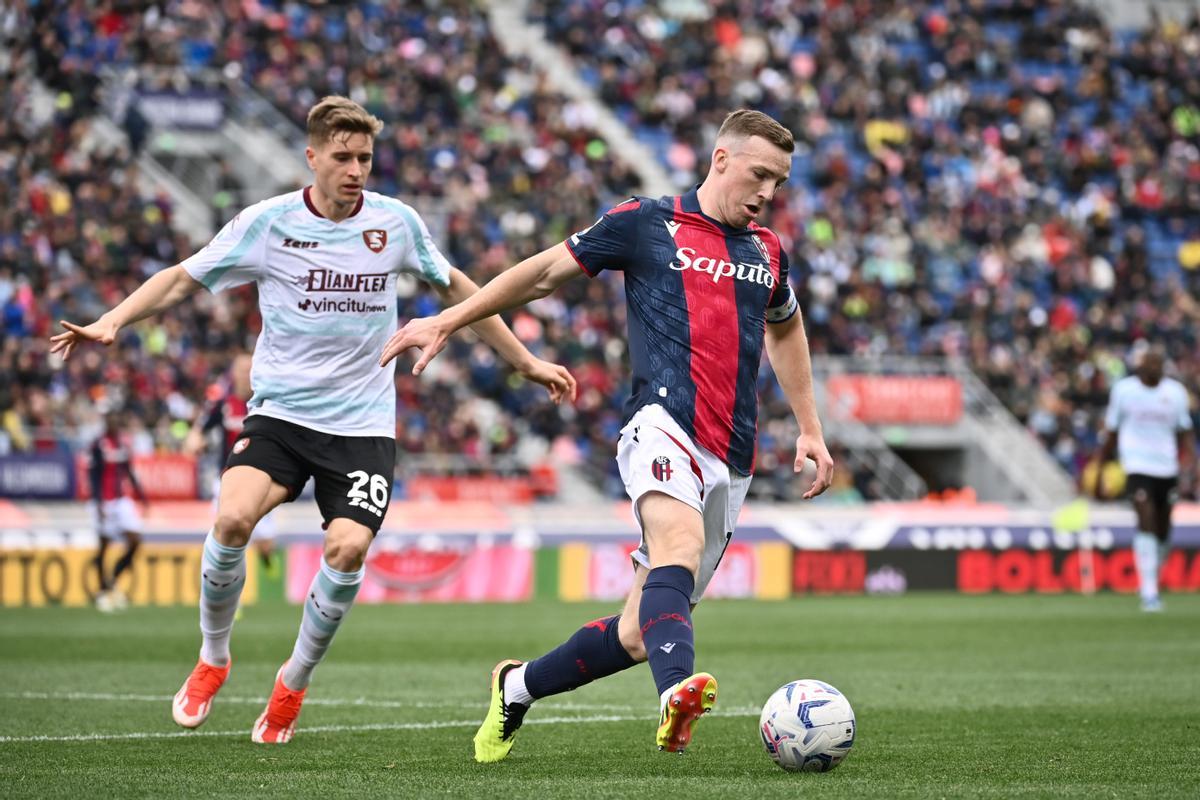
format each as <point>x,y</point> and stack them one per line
<point>807,726</point>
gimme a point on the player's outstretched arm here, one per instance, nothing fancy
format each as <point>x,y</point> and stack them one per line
<point>163,290</point>
<point>193,443</point>
<point>556,378</point>
<point>787,348</point>
<point>535,277</point>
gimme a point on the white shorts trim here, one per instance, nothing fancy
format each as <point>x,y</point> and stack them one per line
<point>654,454</point>
<point>120,516</point>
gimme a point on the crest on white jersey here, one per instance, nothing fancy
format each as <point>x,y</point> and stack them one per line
<point>375,239</point>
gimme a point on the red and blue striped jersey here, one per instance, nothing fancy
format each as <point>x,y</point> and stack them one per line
<point>227,412</point>
<point>699,295</point>
<point>111,468</point>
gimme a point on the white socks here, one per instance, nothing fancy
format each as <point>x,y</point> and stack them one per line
<point>222,576</point>
<point>1146,556</point>
<point>330,596</point>
<point>514,687</point>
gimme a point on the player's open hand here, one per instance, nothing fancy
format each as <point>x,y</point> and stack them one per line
<point>812,447</point>
<point>555,377</point>
<point>425,334</point>
<point>102,331</point>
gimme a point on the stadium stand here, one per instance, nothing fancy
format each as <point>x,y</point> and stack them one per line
<point>992,192</point>
<point>514,169</point>
<point>952,196</point>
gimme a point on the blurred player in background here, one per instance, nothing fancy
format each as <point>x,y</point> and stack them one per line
<point>114,485</point>
<point>225,413</point>
<point>704,285</point>
<point>325,259</point>
<point>1148,423</point>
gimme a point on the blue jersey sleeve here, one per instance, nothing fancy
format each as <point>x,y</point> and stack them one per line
<point>783,304</point>
<point>611,242</point>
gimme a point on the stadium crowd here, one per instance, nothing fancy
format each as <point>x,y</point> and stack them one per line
<point>989,191</point>
<point>511,167</point>
<point>1008,182</point>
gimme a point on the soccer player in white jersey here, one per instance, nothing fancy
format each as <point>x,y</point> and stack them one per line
<point>325,259</point>
<point>1149,425</point>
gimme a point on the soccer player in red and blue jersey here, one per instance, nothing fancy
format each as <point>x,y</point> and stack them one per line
<point>114,485</point>
<point>706,287</point>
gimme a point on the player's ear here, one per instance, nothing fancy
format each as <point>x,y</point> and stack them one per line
<point>310,155</point>
<point>720,159</point>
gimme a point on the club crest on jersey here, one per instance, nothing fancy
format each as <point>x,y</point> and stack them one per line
<point>761,245</point>
<point>661,469</point>
<point>375,239</point>
<point>240,445</point>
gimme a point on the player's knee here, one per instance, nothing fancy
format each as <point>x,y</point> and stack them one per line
<point>631,638</point>
<point>233,528</point>
<point>345,554</point>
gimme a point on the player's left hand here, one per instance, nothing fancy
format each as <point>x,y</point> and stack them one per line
<point>812,447</point>
<point>425,334</point>
<point>555,377</point>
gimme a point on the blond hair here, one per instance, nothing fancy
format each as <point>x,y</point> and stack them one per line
<point>337,114</point>
<point>746,123</point>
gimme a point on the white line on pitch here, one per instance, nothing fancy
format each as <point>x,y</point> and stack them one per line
<point>312,701</point>
<point>380,726</point>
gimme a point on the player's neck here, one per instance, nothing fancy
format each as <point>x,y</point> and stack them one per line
<point>706,195</point>
<point>328,208</point>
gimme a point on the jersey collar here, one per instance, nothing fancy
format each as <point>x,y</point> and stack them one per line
<point>313,207</point>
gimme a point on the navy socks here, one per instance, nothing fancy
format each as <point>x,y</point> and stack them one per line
<point>666,620</point>
<point>594,651</point>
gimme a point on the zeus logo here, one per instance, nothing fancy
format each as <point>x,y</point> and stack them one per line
<point>686,258</point>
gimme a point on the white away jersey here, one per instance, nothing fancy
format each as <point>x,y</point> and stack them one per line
<point>327,293</point>
<point>1147,419</point>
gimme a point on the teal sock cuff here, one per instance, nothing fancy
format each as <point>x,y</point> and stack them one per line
<point>342,578</point>
<point>222,555</point>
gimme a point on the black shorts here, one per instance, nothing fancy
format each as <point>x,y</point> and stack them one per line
<point>352,474</point>
<point>1159,491</point>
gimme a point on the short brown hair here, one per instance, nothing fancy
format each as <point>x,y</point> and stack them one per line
<point>336,114</point>
<point>746,123</point>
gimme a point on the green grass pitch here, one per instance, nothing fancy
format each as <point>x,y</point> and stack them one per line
<point>956,696</point>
